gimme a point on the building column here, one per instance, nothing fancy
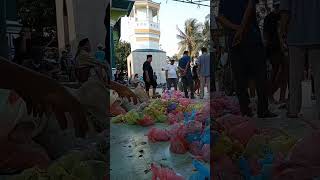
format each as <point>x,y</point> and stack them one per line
<point>60,24</point>
<point>148,16</point>
<point>3,38</point>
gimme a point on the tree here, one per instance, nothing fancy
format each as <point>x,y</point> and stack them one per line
<point>190,38</point>
<point>39,15</point>
<point>206,32</point>
<point>122,51</point>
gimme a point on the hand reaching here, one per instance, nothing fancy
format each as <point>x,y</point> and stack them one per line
<point>45,96</point>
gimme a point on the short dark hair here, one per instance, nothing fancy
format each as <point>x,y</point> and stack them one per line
<point>186,52</point>
<point>204,49</point>
<point>149,56</point>
<point>83,42</point>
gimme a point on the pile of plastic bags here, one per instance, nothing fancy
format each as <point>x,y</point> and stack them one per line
<point>73,166</point>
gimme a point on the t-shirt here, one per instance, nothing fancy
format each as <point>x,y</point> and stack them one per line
<point>304,26</point>
<point>100,56</point>
<point>172,71</point>
<point>147,67</point>
<point>270,30</point>
<point>204,62</point>
<point>183,62</point>
<point>234,10</point>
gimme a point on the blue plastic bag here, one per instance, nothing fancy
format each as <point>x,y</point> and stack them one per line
<point>205,138</point>
<point>202,173</point>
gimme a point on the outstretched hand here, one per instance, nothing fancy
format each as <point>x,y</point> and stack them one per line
<point>45,96</point>
<point>124,92</point>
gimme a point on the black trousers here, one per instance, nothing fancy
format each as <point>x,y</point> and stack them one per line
<point>248,61</point>
<point>187,85</point>
<point>172,81</point>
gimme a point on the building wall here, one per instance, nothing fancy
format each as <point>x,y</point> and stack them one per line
<point>85,20</point>
<point>158,63</point>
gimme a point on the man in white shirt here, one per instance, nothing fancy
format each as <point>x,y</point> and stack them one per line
<point>172,75</point>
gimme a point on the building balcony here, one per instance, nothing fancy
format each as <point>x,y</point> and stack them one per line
<point>147,25</point>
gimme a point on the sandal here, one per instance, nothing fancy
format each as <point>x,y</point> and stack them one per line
<point>293,115</point>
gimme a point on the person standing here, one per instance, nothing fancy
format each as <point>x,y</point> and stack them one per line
<point>279,73</point>
<point>172,75</point>
<point>148,77</point>
<point>246,52</point>
<point>100,54</point>
<point>300,27</point>
<point>186,75</point>
<point>204,71</point>
<point>195,77</point>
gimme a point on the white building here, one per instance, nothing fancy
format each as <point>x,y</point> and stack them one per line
<point>144,37</point>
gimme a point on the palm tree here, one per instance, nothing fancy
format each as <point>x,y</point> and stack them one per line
<point>206,32</point>
<point>190,38</point>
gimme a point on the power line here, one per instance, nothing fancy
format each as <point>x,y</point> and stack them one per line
<point>195,2</point>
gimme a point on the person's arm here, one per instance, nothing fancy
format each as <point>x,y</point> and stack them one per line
<point>223,5</point>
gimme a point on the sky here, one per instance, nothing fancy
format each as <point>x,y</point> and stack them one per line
<point>174,13</point>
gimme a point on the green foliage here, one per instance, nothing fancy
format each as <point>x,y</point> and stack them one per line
<point>195,36</point>
<point>122,51</point>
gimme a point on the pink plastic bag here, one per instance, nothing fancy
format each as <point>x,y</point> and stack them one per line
<point>243,132</point>
<point>307,151</point>
<point>193,127</point>
<point>178,145</point>
<point>184,102</point>
<point>146,121</point>
<point>229,121</point>
<point>116,109</point>
<point>175,117</point>
<point>195,148</point>
<point>155,135</point>
<point>162,173</point>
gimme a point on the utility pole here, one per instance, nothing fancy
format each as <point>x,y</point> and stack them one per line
<point>3,29</point>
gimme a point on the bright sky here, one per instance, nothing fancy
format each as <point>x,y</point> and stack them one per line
<point>174,13</point>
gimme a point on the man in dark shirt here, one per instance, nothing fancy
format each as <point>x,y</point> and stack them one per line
<point>246,52</point>
<point>186,75</point>
<point>279,75</point>
<point>148,75</point>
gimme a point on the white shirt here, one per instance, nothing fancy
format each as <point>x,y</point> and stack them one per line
<point>172,71</point>
<point>224,59</point>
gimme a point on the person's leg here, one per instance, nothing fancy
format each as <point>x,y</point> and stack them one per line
<point>296,67</point>
<point>169,84</point>
<point>202,83</point>
<point>191,87</point>
<point>239,73</point>
<point>314,55</point>
<point>208,83</point>
<point>258,66</point>
<point>147,88</point>
<point>284,79</point>
<point>185,86</point>
<point>175,83</point>
<point>154,85</point>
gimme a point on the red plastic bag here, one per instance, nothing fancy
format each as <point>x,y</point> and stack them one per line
<point>243,132</point>
<point>178,145</point>
<point>146,121</point>
<point>195,148</point>
<point>184,102</point>
<point>155,135</point>
<point>162,173</point>
<point>116,109</point>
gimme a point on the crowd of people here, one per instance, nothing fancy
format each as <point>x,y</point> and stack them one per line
<point>280,44</point>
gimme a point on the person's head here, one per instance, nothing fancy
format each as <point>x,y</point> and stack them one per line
<point>68,47</point>
<point>100,47</point>
<point>136,76</point>
<point>186,53</point>
<point>276,7</point>
<point>149,58</point>
<point>172,61</point>
<point>84,44</point>
<point>204,50</point>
